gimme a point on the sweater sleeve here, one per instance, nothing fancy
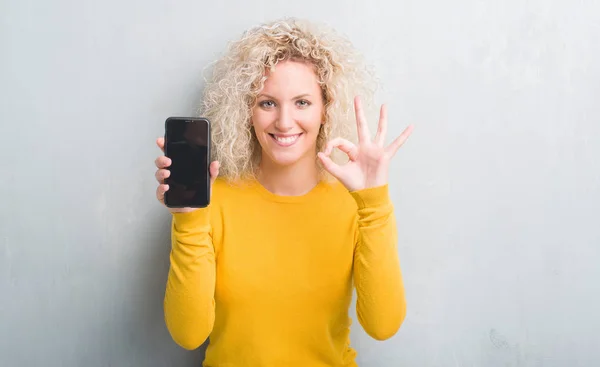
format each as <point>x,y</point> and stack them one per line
<point>381,303</point>
<point>189,303</point>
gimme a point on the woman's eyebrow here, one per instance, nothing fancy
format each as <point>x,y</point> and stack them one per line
<point>271,97</point>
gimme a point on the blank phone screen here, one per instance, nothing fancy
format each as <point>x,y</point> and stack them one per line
<point>187,143</point>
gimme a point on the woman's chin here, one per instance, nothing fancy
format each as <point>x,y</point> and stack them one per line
<point>285,159</point>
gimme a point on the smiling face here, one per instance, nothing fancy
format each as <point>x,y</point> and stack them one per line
<point>288,114</point>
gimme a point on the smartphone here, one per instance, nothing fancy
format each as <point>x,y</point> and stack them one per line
<point>187,144</point>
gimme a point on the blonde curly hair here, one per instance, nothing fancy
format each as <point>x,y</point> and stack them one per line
<point>238,77</point>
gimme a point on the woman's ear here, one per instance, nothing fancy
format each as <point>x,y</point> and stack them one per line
<point>324,114</point>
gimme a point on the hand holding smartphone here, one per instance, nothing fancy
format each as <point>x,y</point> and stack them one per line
<point>184,173</point>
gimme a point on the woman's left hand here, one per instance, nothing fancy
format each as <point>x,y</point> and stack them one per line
<point>369,161</point>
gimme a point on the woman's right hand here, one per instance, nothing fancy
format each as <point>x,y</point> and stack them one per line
<point>162,164</point>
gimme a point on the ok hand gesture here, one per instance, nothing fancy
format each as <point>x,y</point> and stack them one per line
<point>369,161</point>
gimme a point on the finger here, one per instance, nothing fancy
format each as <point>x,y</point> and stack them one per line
<point>162,162</point>
<point>161,175</point>
<point>160,192</point>
<point>214,171</point>
<point>330,166</point>
<point>382,127</point>
<point>344,145</point>
<point>399,141</point>
<point>161,143</point>
<point>361,121</point>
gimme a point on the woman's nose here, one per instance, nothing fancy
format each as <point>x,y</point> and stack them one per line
<point>285,119</point>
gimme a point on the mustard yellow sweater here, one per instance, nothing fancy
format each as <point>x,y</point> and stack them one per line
<point>269,277</point>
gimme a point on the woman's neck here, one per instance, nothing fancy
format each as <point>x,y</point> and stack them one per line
<point>293,180</point>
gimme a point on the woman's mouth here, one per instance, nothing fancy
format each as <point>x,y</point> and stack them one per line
<point>285,140</point>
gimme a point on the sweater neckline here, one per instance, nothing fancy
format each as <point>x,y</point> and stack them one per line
<point>264,192</point>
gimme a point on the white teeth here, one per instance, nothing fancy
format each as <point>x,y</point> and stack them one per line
<point>287,139</point>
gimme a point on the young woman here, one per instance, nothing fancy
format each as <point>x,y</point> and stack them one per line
<point>266,270</point>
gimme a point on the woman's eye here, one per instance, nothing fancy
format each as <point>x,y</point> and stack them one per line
<point>267,104</point>
<point>303,103</point>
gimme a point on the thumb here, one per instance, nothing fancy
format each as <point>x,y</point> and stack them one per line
<point>330,166</point>
<point>214,171</point>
